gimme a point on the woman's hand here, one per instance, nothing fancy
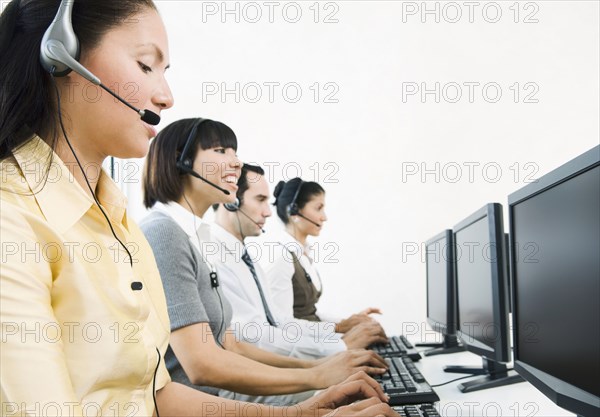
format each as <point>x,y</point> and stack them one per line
<point>355,388</point>
<point>337,368</point>
<point>364,408</point>
<point>370,310</point>
<point>356,319</point>
<point>365,335</point>
<point>352,321</point>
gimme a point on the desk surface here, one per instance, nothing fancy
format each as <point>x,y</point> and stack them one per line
<point>517,400</point>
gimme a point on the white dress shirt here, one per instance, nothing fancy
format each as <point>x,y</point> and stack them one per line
<point>292,337</point>
<point>279,269</point>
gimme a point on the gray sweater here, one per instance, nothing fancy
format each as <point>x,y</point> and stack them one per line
<point>190,296</point>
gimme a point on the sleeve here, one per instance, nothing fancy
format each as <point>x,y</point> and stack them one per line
<point>178,271</point>
<point>34,373</point>
<point>288,339</point>
<point>318,330</point>
<point>279,275</point>
<point>327,317</point>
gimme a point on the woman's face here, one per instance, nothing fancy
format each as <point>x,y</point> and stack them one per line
<point>131,60</point>
<point>314,209</point>
<point>220,166</point>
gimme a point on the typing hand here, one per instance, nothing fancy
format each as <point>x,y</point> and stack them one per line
<point>338,400</point>
<point>339,367</point>
<point>354,320</point>
<point>371,310</point>
<point>364,408</point>
<point>364,335</point>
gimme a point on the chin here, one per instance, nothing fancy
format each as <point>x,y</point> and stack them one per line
<point>137,149</point>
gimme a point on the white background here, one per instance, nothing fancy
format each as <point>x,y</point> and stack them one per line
<point>365,147</point>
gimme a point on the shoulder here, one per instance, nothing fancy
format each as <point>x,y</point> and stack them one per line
<point>157,225</point>
<point>165,236</point>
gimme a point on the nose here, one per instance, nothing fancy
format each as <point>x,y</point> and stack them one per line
<point>235,162</point>
<point>267,211</point>
<point>163,98</point>
<point>324,217</point>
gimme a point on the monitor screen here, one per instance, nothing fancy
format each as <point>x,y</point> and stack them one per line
<point>474,280</point>
<point>437,258</point>
<point>557,284</point>
<point>480,273</point>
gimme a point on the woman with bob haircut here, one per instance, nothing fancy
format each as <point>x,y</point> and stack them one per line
<point>203,351</point>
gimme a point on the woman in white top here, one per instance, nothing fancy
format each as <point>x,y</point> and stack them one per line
<point>294,280</point>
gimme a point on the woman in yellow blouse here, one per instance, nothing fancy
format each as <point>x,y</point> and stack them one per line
<point>82,310</point>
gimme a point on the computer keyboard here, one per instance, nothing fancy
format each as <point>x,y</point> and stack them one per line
<point>397,346</point>
<point>425,410</point>
<point>404,383</point>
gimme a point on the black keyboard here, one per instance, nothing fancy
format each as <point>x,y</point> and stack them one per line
<point>397,346</point>
<point>425,410</point>
<point>404,383</point>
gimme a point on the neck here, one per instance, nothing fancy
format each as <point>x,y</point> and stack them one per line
<point>229,222</point>
<point>197,206</point>
<point>296,234</point>
<point>91,163</point>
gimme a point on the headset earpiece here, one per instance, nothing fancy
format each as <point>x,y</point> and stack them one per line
<point>233,207</point>
<point>60,32</point>
<point>59,50</point>
<point>292,208</point>
<point>185,163</point>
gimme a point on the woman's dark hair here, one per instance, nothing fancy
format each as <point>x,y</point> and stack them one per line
<point>162,180</point>
<point>285,191</point>
<point>27,99</point>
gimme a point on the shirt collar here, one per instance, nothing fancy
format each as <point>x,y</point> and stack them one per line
<point>51,191</point>
<point>191,224</point>
<point>227,242</point>
<point>292,244</point>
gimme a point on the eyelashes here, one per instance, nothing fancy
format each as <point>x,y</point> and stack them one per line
<point>145,68</point>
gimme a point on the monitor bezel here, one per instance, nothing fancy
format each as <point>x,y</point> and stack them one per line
<point>450,326</point>
<point>562,393</point>
<point>500,352</point>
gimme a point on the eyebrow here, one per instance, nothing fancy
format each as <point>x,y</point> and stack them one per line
<point>157,51</point>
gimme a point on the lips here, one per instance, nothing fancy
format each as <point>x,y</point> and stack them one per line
<point>151,130</point>
<point>230,179</point>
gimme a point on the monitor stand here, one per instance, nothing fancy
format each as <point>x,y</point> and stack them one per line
<point>449,345</point>
<point>496,375</point>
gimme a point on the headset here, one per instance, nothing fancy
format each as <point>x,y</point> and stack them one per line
<point>292,209</point>
<point>185,163</point>
<point>235,207</point>
<point>60,51</point>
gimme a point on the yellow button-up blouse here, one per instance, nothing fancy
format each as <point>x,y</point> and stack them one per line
<point>76,338</point>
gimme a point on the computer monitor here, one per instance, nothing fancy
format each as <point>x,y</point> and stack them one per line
<point>481,280</point>
<point>441,293</point>
<point>508,252</point>
<point>556,291</point>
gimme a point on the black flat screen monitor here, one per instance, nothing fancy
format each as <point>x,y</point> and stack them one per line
<point>481,280</point>
<point>441,290</point>
<point>556,287</point>
<point>482,297</point>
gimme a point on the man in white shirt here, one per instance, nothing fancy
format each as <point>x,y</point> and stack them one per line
<point>245,285</point>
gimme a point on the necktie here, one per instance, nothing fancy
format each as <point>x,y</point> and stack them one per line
<point>250,264</point>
